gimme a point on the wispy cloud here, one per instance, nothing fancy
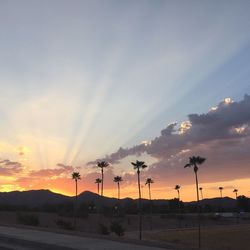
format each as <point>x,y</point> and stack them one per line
<point>9,168</point>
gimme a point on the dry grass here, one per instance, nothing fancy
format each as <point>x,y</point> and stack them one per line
<point>229,237</point>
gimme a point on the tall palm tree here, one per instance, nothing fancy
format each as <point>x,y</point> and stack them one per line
<point>118,179</point>
<point>98,181</point>
<point>102,165</point>
<point>194,161</point>
<point>236,193</point>
<point>75,176</point>
<point>201,191</point>
<point>220,188</point>
<point>138,166</point>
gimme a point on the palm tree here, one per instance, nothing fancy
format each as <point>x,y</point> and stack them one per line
<point>148,182</point>
<point>236,193</point>
<point>193,162</point>
<point>98,181</point>
<point>118,179</point>
<point>75,176</point>
<point>220,188</point>
<point>138,166</point>
<point>177,188</point>
<point>201,192</point>
<point>102,165</point>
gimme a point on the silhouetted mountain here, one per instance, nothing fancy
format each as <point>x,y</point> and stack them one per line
<point>31,198</point>
<point>222,202</point>
<point>35,198</point>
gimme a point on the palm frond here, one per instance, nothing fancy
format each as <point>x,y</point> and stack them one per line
<point>149,181</point>
<point>76,176</point>
<point>98,180</point>
<point>118,179</point>
<point>102,164</point>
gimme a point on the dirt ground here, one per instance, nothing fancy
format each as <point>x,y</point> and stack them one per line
<point>223,234</point>
<point>224,237</point>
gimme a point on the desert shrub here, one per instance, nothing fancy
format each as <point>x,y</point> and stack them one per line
<point>28,219</point>
<point>66,209</point>
<point>83,210</point>
<point>103,229</point>
<point>117,228</point>
<point>64,224</point>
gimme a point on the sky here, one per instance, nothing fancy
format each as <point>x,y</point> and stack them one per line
<point>157,81</point>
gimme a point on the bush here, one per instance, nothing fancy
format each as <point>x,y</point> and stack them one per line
<point>64,224</point>
<point>117,228</point>
<point>103,229</point>
<point>28,219</point>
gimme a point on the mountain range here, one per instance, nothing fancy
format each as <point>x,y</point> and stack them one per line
<point>35,198</point>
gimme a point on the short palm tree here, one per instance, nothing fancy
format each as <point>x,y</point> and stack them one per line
<point>221,189</point>
<point>201,191</point>
<point>118,179</point>
<point>102,165</point>
<point>177,188</point>
<point>148,182</point>
<point>236,193</point>
<point>98,181</point>
<point>138,166</point>
<point>194,161</point>
<point>76,176</point>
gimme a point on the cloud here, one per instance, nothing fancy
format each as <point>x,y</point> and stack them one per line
<point>8,168</point>
<point>222,135</point>
<point>52,172</point>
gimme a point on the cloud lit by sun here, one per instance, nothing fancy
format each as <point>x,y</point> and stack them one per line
<point>23,150</point>
<point>184,127</point>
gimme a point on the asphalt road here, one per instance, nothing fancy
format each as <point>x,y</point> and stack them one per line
<point>29,239</point>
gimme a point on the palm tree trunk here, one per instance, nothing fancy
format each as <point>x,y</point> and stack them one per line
<point>179,201</point>
<point>199,210</point>
<point>149,189</point>
<point>197,187</point>
<point>75,206</point>
<point>118,190</point>
<point>98,188</point>
<point>220,193</point>
<point>201,195</point>
<point>139,203</point>
<point>102,183</point>
<point>179,207</point>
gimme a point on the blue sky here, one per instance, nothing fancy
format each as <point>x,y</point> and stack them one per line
<point>79,79</point>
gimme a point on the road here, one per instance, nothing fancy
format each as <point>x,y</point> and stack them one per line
<point>29,239</point>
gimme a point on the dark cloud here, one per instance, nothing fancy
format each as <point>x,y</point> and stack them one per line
<point>120,154</point>
<point>8,167</point>
<point>222,136</point>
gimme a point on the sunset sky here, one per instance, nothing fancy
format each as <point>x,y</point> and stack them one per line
<point>157,81</point>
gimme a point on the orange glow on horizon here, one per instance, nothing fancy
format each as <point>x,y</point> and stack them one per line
<point>187,192</point>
